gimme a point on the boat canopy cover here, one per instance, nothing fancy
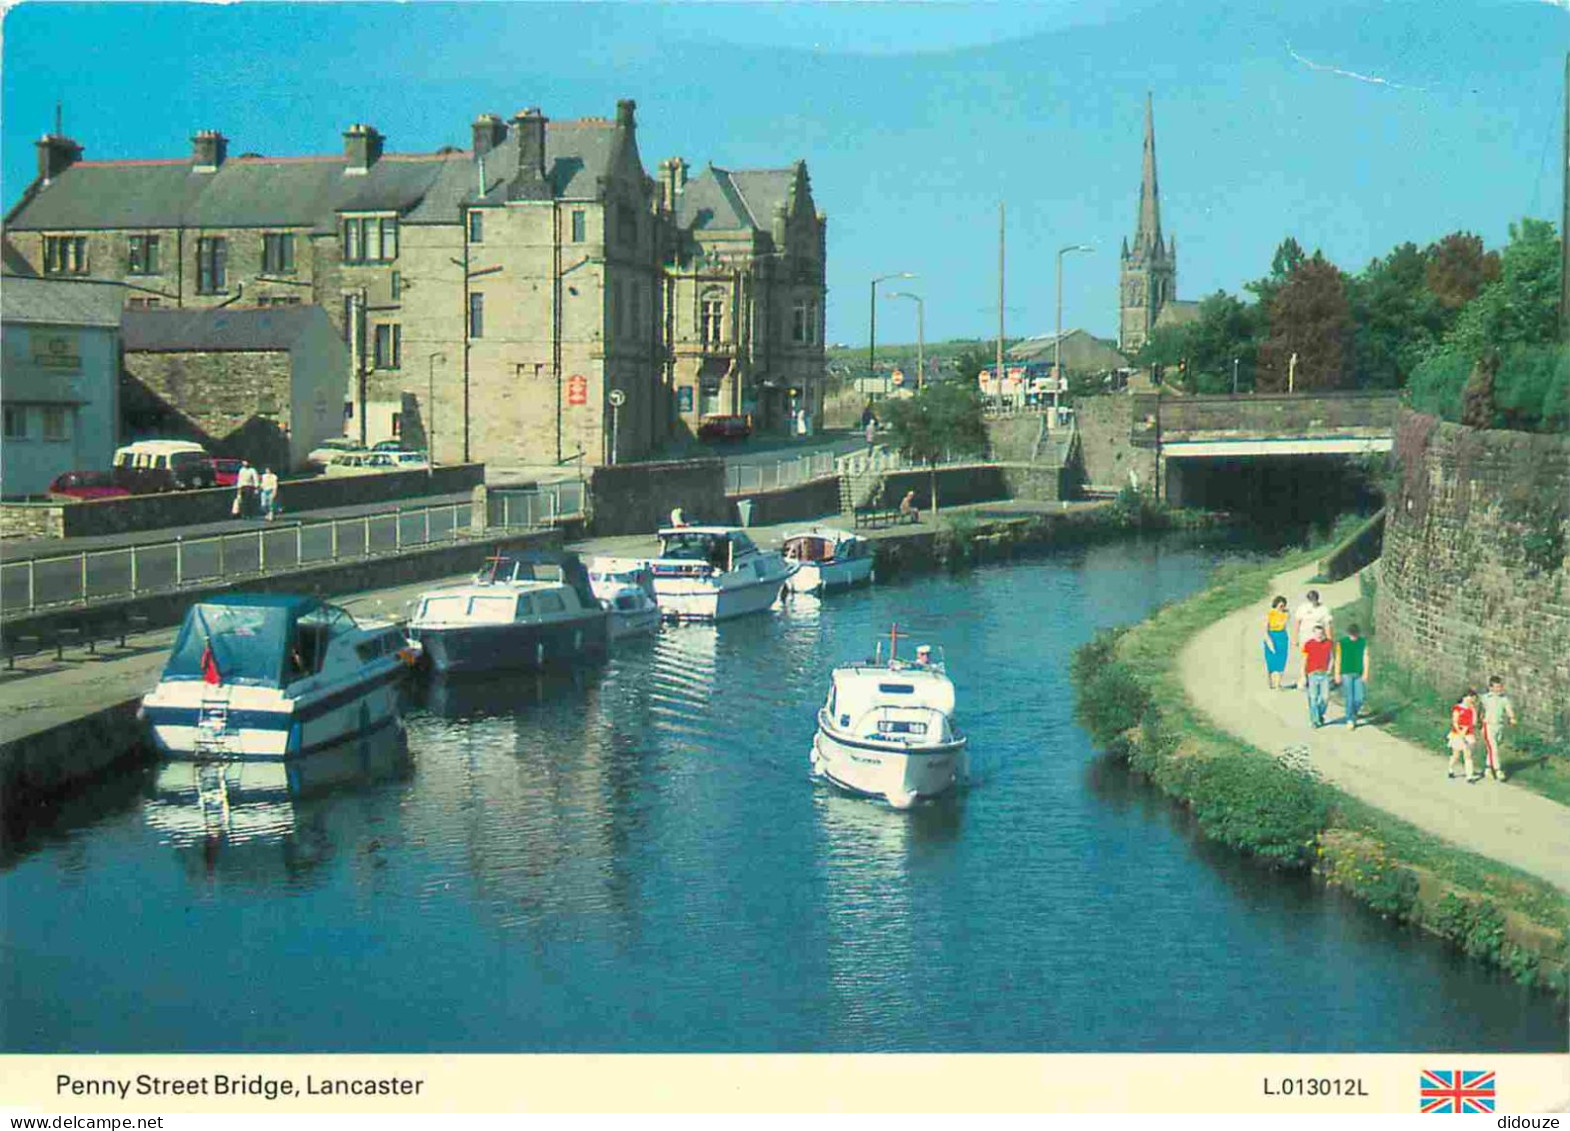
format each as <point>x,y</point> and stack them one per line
<point>247,638</point>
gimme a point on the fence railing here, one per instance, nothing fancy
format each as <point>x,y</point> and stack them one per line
<point>185,563</point>
<point>743,478</point>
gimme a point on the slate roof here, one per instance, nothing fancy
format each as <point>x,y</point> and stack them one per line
<point>250,329</point>
<point>733,200</point>
<point>60,302</point>
<point>1081,350</point>
<point>305,191</point>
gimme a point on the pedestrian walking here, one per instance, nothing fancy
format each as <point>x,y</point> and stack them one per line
<point>1463,735</point>
<point>1317,658</point>
<point>1305,617</point>
<point>1352,672</point>
<point>871,427</point>
<point>249,484</point>
<point>1277,647</point>
<point>269,494</point>
<point>1496,708</point>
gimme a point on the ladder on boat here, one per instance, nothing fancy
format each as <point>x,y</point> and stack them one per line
<point>212,724</point>
<point>212,796</point>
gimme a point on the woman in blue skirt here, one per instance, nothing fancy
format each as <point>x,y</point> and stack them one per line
<point>1276,645</point>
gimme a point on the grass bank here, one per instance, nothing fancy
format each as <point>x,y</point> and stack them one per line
<point>1130,698</point>
<point>1408,705</point>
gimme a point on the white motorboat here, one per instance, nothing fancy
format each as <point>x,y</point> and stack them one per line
<point>887,728</point>
<point>827,559</point>
<point>263,676</point>
<point>715,573</point>
<point>626,589</point>
<point>512,616</point>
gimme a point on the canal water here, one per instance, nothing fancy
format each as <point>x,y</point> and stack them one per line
<point>636,860</point>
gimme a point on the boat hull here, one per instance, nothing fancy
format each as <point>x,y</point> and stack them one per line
<point>901,775</point>
<point>822,577</point>
<point>191,720</point>
<point>693,599</point>
<point>496,647</point>
<point>623,623</point>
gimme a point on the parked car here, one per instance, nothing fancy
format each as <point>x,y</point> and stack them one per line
<point>322,456</point>
<point>362,463</point>
<point>226,470</point>
<point>150,466</point>
<point>85,485</point>
<point>725,428</point>
<point>411,461</point>
<point>387,446</point>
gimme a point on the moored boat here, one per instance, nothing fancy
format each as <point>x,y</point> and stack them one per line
<point>827,559</point>
<point>626,590</point>
<point>262,676</point>
<point>887,728</point>
<point>715,573</point>
<point>524,610</point>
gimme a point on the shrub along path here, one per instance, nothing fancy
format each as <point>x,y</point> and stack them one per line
<point>1223,673</point>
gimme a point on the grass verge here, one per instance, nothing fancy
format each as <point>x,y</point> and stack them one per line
<point>1131,699</point>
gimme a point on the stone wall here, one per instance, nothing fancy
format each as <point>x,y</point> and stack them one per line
<point>1279,414</point>
<point>1474,579</point>
<point>805,501</point>
<point>637,498</point>
<point>188,508</point>
<point>234,403</point>
<point>1036,483</point>
<point>1105,424</point>
<point>980,483</point>
<point>1017,439</point>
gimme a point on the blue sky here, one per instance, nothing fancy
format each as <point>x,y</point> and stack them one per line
<point>1353,125</point>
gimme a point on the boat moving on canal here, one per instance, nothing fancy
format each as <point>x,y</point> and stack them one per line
<point>268,677</point>
<point>626,590</point>
<point>523,610</point>
<point>887,728</point>
<point>827,559</point>
<point>715,573</point>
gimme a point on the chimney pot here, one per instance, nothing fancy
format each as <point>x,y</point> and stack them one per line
<point>362,147</point>
<point>529,182</point>
<point>626,110</point>
<point>209,148</point>
<point>489,132</point>
<point>56,154</point>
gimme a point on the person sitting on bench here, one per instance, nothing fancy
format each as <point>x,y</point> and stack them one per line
<point>908,509</point>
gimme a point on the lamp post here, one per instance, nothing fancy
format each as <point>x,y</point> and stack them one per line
<point>872,321</point>
<point>1057,344</point>
<point>430,404</point>
<point>921,348</point>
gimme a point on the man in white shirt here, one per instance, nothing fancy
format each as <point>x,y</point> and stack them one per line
<point>248,482</point>
<point>1307,617</point>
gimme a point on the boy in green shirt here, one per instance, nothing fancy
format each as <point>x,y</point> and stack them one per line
<point>1352,672</point>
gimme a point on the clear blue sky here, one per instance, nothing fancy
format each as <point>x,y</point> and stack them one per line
<point>1353,125</point>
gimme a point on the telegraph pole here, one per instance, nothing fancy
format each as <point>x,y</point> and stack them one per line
<point>1564,224</point>
<point>1000,300</point>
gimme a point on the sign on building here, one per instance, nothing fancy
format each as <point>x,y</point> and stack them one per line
<point>577,389</point>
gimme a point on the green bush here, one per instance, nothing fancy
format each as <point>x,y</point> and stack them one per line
<point>1111,700</point>
<point>1259,806</point>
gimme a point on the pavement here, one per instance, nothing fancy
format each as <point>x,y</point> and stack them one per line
<point>1223,672</point>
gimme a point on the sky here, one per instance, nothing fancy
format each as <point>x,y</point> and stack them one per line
<point>1352,125</point>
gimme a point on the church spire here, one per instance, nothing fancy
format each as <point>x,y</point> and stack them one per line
<point>1148,236</point>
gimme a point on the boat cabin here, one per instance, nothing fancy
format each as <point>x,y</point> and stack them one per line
<point>904,702</point>
<point>500,604</point>
<point>824,545</point>
<point>721,548</point>
<point>268,640</point>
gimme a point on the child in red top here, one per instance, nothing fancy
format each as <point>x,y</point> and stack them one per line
<point>1463,734</point>
<point>1317,655</point>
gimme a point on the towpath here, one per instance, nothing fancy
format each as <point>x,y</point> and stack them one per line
<point>1223,672</point>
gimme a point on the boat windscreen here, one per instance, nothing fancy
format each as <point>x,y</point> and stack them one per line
<point>245,644</point>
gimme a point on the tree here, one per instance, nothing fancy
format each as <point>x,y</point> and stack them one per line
<point>1288,256</point>
<point>1166,346</point>
<point>1477,399</point>
<point>940,421</point>
<point>1521,307</point>
<point>1457,268</point>
<point>1396,318</point>
<point>1226,330</point>
<point>973,360</point>
<point>1309,318</point>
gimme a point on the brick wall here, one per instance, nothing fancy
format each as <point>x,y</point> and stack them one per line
<point>637,498</point>
<point>233,403</point>
<point>1468,582</point>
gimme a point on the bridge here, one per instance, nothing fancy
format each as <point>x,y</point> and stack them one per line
<point>1201,441</point>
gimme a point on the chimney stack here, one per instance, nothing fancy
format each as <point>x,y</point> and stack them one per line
<point>489,132</point>
<point>56,154</point>
<point>626,109</point>
<point>208,150</point>
<point>673,179</point>
<point>362,146</point>
<point>529,182</point>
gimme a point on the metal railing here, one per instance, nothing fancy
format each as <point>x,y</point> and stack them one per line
<point>540,505</point>
<point>185,563</point>
<point>741,479</point>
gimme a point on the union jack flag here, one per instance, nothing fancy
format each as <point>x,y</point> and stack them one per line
<point>1457,1092</point>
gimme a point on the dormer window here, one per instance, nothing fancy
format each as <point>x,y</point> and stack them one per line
<point>370,239</point>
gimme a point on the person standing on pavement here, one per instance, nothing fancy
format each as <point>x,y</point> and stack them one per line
<point>1463,735</point>
<point>1304,619</point>
<point>1352,672</point>
<point>871,426</point>
<point>269,485</point>
<point>1277,647</point>
<point>1496,707</point>
<point>248,484</point>
<point>1317,657</point>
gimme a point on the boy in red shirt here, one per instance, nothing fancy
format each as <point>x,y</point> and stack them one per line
<point>1463,735</point>
<point>1318,652</point>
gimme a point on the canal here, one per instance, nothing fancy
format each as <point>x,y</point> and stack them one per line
<point>635,860</point>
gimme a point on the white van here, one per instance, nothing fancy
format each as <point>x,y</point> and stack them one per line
<point>150,466</point>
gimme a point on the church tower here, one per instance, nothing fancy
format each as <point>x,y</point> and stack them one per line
<point>1149,267</point>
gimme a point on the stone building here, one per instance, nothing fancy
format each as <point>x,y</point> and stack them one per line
<point>263,384</point>
<point>745,293</point>
<point>60,393</point>
<point>1148,268</point>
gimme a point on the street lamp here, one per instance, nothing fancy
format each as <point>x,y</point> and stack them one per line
<point>1057,344</point>
<point>921,355</point>
<point>872,321</point>
<point>430,404</point>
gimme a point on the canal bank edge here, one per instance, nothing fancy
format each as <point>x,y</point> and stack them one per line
<point>1130,698</point>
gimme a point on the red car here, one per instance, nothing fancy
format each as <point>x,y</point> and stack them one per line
<point>725,428</point>
<point>85,485</point>
<point>226,471</point>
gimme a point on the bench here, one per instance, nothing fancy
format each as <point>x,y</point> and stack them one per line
<point>874,517</point>
<point>14,645</point>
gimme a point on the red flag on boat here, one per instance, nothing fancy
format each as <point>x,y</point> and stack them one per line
<point>210,672</point>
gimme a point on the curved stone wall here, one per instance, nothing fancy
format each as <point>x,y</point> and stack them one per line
<point>1475,579</point>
